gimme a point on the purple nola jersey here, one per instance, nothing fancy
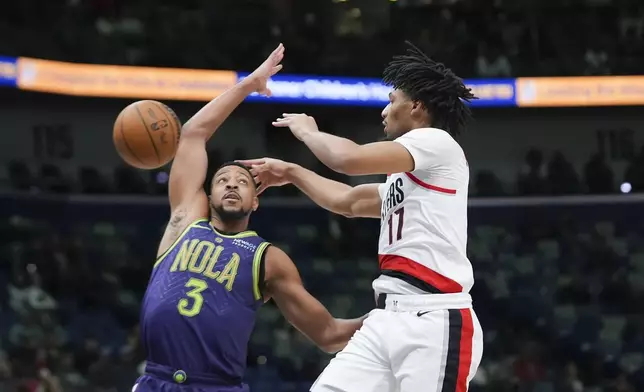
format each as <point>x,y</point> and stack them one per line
<point>199,308</point>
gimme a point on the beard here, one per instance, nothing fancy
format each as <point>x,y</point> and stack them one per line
<point>228,215</point>
<point>387,138</point>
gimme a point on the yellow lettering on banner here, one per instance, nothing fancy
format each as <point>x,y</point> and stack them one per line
<point>580,91</point>
<point>96,80</point>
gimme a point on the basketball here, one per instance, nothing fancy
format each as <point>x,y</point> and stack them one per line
<point>146,134</point>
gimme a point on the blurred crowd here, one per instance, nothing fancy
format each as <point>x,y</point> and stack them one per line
<point>539,174</point>
<point>558,292</point>
<point>556,176</point>
<point>490,38</point>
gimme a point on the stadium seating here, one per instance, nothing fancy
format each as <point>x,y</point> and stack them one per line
<point>558,289</point>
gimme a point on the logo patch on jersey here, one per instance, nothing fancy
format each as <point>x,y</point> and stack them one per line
<point>244,244</point>
<point>395,195</point>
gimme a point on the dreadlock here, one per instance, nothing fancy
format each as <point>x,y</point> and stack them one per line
<point>442,92</point>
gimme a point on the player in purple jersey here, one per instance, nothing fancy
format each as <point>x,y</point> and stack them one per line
<point>212,274</point>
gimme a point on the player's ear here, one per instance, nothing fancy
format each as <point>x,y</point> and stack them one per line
<point>255,205</point>
<point>417,105</point>
<point>418,109</point>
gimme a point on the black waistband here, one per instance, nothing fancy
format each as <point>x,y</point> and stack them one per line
<point>419,284</point>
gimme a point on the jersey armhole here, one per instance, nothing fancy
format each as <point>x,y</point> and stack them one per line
<point>259,270</point>
<point>162,256</point>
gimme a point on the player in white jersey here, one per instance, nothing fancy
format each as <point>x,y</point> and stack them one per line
<point>424,335</point>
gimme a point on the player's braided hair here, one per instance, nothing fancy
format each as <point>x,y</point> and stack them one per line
<point>442,92</point>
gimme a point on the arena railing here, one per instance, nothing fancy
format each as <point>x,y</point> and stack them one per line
<point>619,208</point>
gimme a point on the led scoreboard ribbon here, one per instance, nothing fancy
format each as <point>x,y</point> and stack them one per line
<point>116,81</point>
<point>320,90</point>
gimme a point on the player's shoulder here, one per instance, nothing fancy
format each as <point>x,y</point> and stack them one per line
<point>433,134</point>
<point>434,141</point>
<point>278,264</point>
<point>274,252</point>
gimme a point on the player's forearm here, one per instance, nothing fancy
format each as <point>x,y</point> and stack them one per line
<point>207,120</point>
<point>331,150</point>
<point>341,332</point>
<point>324,192</point>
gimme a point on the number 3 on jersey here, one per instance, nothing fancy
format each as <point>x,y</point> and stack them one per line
<point>184,307</point>
<point>400,218</point>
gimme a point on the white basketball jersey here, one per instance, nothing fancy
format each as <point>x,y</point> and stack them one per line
<point>423,231</point>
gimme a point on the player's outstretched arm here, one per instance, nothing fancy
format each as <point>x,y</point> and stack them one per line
<point>190,165</point>
<point>301,309</point>
<point>344,156</point>
<point>189,168</point>
<point>360,201</point>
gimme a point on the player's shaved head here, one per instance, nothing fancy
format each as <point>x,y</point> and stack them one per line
<point>237,164</point>
<point>233,192</point>
<point>424,80</point>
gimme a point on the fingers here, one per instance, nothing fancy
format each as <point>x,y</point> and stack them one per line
<point>276,69</point>
<point>252,162</point>
<point>279,49</point>
<point>278,53</point>
<point>287,119</point>
<point>281,122</point>
<point>256,170</point>
<point>261,188</point>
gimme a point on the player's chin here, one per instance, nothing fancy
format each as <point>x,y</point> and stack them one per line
<point>231,203</point>
<point>233,209</point>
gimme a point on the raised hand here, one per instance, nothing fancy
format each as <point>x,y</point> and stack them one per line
<point>268,172</point>
<point>268,68</point>
<point>299,124</point>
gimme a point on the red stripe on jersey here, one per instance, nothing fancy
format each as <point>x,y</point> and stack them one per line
<point>429,186</point>
<point>465,355</point>
<point>407,266</point>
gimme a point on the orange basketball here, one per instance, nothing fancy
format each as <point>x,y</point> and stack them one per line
<point>146,134</point>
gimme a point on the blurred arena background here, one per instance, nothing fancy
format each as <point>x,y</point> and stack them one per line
<point>557,171</point>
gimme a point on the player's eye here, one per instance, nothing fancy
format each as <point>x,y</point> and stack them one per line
<point>220,180</point>
<point>244,181</point>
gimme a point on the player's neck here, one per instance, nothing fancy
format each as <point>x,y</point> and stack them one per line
<point>229,227</point>
<point>421,124</point>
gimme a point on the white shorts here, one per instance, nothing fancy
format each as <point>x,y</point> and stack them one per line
<point>417,343</point>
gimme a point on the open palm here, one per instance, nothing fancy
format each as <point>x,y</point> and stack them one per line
<point>268,68</point>
<point>267,172</point>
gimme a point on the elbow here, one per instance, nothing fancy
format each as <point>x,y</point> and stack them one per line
<point>348,214</point>
<point>344,205</point>
<point>189,128</point>
<point>334,339</point>
<point>332,346</point>
<point>192,129</point>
